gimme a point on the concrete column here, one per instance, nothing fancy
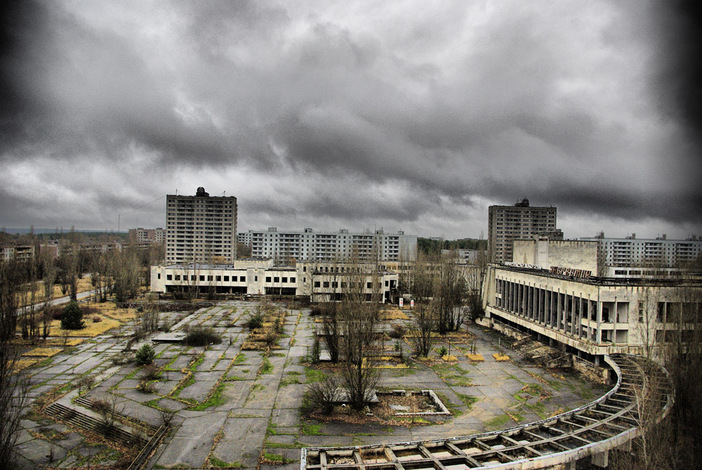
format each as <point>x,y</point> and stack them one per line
<point>601,459</point>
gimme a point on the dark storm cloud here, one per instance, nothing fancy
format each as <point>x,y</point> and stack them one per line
<point>352,114</point>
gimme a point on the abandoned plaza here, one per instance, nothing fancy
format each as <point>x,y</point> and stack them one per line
<point>238,405</point>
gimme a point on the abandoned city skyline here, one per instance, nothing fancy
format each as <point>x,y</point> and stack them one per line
<point>354,116</point>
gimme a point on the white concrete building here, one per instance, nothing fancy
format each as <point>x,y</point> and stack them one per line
<point>592,317</point>
<point>309,245</point>
<point>200,228</point>
<point>256,277</point>
<point>637,257</point>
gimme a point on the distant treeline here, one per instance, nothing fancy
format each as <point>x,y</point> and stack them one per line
<point>429,245</point>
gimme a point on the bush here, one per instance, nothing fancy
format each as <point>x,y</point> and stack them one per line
<point>442,351</point>
<point>202,336</point>
<point>97,319</point>
<point>254,321</point>
<point>150,373</point>
<point>398,331</point>
<point>54,312</point>
<point>323,395</point>
<point>316,351</point>
<point>72,317</point>
<point>145,355</point>
<point>146,387</point>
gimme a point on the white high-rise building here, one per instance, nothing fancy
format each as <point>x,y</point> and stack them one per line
<point>200,228</point>
<point>309,245</point>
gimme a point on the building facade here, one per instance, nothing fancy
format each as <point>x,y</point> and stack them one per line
<point>509,223</point>
<point>592,317</point>
<point>309,245</point>
<point>252,277</point>
<point>201,228</point>
<point>634,257</point>
<point>147,236</point>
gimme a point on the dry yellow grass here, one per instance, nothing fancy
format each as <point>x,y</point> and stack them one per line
<point>393,313</point>
<point>449,358</point>
<point>110,309</point>
<point>500,357</point>
<point>24,363</point>
<point>43,352</point>
<point>83,285</point>
<point>91,328</point>
<point>475,357</point>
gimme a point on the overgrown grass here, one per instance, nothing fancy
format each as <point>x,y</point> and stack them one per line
<point>497,422</point>
<point>310,429</point>
<point>291,377</point>
<point>215,399</point>
<point>468,400</point>
<point>313,375</point>
<point>266,366</point>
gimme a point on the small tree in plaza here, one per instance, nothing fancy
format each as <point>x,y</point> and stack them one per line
<point>72,317</point>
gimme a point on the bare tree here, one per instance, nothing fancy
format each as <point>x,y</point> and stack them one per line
<point>450,296</point>
<point>13,386</point>
<point>425,324</point>
<point>359,373</point>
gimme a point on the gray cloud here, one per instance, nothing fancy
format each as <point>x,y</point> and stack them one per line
<point>352,115</point>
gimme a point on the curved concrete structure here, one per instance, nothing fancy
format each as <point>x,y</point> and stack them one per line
<point>589,431</point>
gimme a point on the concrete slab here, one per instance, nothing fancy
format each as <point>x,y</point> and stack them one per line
<point>243,440</point>
<point>192,441</point>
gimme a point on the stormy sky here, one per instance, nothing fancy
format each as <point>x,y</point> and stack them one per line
<point>403,115</point>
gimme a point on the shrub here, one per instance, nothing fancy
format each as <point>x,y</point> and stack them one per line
<point>398,331</point>
<point>54,312</point>
<point>316,351</point>
<point>442,351</point>
<point>97,319</point>
<point>323,395</point>
<point>145,355</point>
<point>254,321</point>
<point>146,387</point>
<point>202,336</point>
<point>72,317</point>
<point>150,373</point>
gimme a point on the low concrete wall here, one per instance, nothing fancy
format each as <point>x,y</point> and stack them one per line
<point>591,371</point>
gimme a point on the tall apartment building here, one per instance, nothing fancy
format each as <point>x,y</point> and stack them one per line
<point>509,223</point>
<point>200,228</point>
<point>309,245</point>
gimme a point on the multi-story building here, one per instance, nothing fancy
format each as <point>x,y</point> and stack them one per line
<point>508,223</point>
<point>309,245</point>
<point>17,252</point>
<point>201,228</point>
<point>592,317</point>
<point>634,257</point>
<point>147,236</point>
<point>319,282</point>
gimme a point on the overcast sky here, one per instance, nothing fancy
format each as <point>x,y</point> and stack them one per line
<point>405,115</point>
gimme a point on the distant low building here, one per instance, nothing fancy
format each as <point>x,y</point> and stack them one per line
<point>17,252</point>
<point>147,236</point>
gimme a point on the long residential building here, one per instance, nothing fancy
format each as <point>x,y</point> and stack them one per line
<point>509,223</point>
<point>201,228</point>
<point>646,255</point>
<point>308,245</point>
